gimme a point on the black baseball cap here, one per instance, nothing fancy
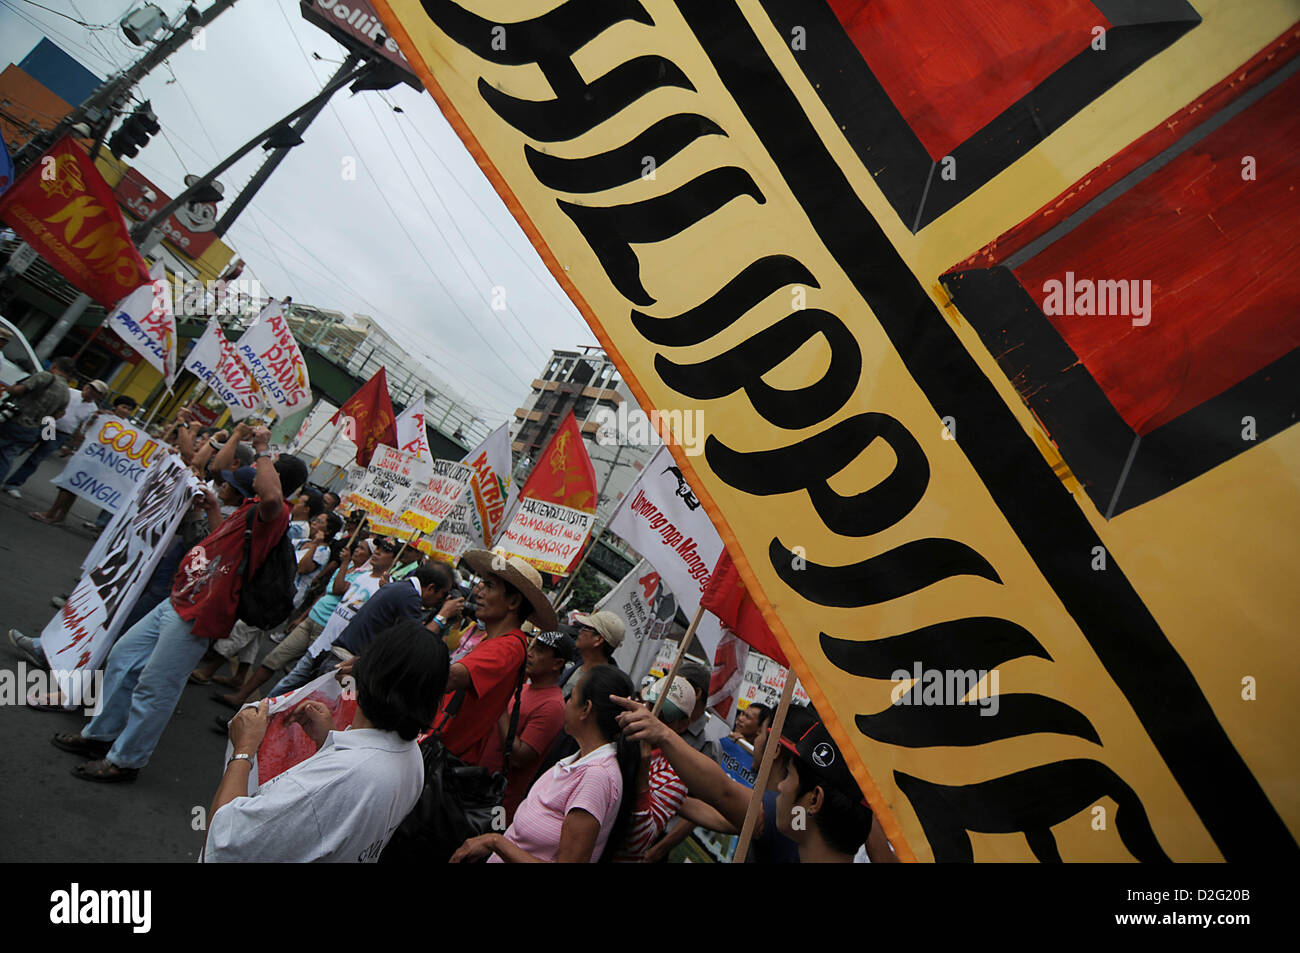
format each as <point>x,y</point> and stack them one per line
<point>805,736</point>
<point>559,643</point>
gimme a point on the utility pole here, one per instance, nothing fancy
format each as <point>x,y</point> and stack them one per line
<point>143,229</point>
<point>99,106</point>
<point>297,128</point>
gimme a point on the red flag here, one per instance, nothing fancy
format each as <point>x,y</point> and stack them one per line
<point>369,418</point>
<point>557,505</point>
<point>725,597</point>
<point>564,473</point>
<point>65,210</point>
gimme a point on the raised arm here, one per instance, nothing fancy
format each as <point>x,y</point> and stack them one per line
<point>702,775</point>
<point>267,482</point>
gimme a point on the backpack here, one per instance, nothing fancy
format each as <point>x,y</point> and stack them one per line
<point>266,599</point>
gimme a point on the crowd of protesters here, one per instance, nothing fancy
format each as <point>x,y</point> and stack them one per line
<point>475,661</point>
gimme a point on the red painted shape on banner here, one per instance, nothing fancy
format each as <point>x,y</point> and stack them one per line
<point>1192,228</point>
<point>952,66</point>
<point>726,597</point>
<point>64,209</point>
<point>373,420</point>
<point>563,473</point>
<point>285,745</point>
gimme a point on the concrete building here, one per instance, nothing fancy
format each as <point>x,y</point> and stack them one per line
<point>584,382</point>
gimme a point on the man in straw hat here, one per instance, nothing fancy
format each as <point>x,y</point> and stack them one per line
<point>480,685</point>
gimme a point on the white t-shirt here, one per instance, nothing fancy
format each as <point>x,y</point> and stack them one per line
<point>341,805</point>
<point>358,593</point>
<point>77,413</point>
<point>303,580</point>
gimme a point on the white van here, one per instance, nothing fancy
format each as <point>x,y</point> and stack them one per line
<point>18,360</point>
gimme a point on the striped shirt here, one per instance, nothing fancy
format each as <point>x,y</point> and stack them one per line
<point>653,810</point>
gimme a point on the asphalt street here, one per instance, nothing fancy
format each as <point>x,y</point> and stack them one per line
<point>47,814</point>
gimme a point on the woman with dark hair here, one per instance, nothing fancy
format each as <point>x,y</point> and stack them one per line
<point>577,811</point>
<point>343,803</point>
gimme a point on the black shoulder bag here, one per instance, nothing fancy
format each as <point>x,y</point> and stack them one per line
<point>266,598</point>
<point>459,800</point>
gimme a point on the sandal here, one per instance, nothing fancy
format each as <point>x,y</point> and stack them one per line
<point>105,771</point>
<point>197,679</point>
<point>42,518</point>
<point>46,701</point>
<point>73,742</point>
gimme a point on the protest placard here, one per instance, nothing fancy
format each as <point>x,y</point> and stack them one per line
<point>78,638</point>
<point>548,535</point>
<point>388,483</point>
<point>429,505</point>
<point>111,463</point>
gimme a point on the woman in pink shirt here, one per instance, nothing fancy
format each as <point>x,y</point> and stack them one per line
<point>577,809</point>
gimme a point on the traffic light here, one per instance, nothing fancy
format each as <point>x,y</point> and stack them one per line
<point>134,132</point>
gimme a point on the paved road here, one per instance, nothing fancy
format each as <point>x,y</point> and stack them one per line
<point>45,813</point>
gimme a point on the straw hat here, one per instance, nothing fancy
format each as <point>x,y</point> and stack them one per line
<point>522,576</point>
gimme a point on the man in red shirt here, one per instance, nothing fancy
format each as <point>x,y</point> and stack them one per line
<point>541,717</point>
<point>480,685</point>
<point>148,667</point>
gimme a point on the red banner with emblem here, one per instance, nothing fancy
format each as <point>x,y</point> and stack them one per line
<point>65,210</point>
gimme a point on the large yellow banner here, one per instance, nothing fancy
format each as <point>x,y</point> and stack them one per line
<point>988,313</point>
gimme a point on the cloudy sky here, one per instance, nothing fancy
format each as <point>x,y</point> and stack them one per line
<point>418,240</point>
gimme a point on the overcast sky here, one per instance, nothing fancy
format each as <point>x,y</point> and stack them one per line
<point>418,240</point>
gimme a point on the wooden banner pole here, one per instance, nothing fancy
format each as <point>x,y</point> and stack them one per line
<point>765,769</point>
<point>677,662</point>
<point>573,576</point>
<point>405,543</point>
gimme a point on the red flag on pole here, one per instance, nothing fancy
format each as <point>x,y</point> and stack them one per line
<point>725,597</point>
<point>368,417</point>
<point>65,210</point>
<point>557,505</point>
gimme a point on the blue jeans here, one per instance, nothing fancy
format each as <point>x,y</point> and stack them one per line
<point>43,450</point>
<point>14,442</point>
<point>307,669</point>
<point>143,680</point>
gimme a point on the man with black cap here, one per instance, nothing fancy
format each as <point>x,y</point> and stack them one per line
<point>148,667</point>
<point>541,717</point>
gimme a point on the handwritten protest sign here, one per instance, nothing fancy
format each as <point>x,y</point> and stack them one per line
<point>548,535</point>
<point>388,483</point>
<point>430,505</point>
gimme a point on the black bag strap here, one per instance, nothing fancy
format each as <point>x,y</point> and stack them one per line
<point>453,707</point>
<point>246,559</point>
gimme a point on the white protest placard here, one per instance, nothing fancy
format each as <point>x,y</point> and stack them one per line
<point>144,320</point>
<point>388,483</point>
<point>215,362</point>
<point>431,504</point>
<point>110,464</point>
<point>77,640</point>
<point>547,535</point>
<point>269,349</point>
<point>646,606</point>
<point>455,535</point>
